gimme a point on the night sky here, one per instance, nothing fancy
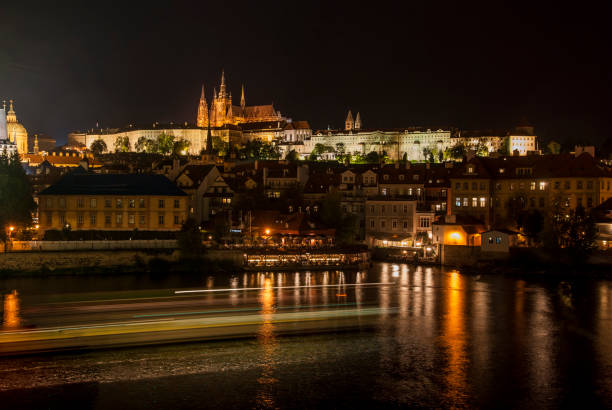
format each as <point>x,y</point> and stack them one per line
<point>479,66</point>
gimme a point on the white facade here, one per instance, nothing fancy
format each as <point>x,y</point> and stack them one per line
<point>521,143</point>
<point>195,136</point>
<point>394,143</point>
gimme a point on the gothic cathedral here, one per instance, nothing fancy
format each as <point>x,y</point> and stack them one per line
<point>222,112</point>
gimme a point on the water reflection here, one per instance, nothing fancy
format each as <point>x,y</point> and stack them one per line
<point>265,397</point>
<point>11,319</point>
<point>454,342</point>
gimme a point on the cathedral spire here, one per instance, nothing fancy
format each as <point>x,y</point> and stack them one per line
<point>349,124</point>
<point>357,125</point>
<point>202,110</point>
<point>242,100</point>
<point>222,87</point>
<point>36,143</point>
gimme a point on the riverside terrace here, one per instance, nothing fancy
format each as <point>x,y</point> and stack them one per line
<point>309,258</point>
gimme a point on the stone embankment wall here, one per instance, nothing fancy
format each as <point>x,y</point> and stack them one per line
<point>35,261</point>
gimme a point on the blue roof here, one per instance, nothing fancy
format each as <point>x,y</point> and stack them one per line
<point>85,183</point>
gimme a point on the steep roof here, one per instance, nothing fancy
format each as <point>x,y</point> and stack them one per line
<point>196,173</point>
<point>85,183</point>
<point>259,111</point>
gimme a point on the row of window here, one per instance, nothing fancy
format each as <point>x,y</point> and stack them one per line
<point>391,208</point>
<point>476,202</point>
<point>108,219</point>
<point>108,203</point>
<point>533,185</point>
<point>394,224</point>
<point>424,222</point>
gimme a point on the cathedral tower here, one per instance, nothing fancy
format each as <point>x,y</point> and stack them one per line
<point>357,122</point>
<point>349,123</point>
<point>202,118</point>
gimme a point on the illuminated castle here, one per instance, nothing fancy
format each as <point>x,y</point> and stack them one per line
<point>223,112</point>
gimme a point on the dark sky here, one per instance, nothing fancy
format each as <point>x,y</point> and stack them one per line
<point>398,63</point>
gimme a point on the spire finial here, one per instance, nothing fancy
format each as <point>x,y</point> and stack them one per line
<point>11,105</point>
<point>202,96</point>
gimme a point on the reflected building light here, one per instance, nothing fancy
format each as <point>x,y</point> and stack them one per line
<point>454,341</point>
<point>210,282</point>
<point>11,318</point>
<point>245,280</point>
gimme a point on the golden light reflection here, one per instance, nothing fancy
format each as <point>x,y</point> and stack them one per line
<point>267,340</point>
<point>454,341</point>
<point>11,319</point>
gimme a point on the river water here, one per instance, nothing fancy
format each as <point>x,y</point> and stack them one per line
<point>443,339</point>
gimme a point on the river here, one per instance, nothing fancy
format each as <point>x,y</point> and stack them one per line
<point>438,339</point>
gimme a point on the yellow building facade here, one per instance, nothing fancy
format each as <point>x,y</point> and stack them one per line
<point>112,202</point>
<point>494,190</point>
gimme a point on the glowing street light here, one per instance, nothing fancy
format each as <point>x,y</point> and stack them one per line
<point>11,228</point>
<point>267,231</point>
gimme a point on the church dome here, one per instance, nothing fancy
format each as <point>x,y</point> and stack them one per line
<point>15,131</point>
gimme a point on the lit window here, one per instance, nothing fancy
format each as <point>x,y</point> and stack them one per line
<point>458,201</point>
<point>483,202</point>
<point>474,202</point>
<point>466,201</point>
<point>532,185</point>
<point>132,203</point>
<point>542,185</point>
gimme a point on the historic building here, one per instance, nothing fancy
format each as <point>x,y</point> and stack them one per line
<point>222,111</point>
<point>114,202</point>
<point>496,190</point>
<point>15,132</point>
<point>5,144</point>
<point>196,136</point>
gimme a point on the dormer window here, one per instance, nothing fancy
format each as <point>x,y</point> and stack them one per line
<point>470,169</point>
<point>401,177</point>
<point>415,177</point>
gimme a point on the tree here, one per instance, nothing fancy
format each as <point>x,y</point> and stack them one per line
<point>190,240</point>
<point>554,147</point>
<point>574,231</point>
<point>181,147</point>
<point>292,156</point>
<point>340,148</point>
<point>165,143</point>
<point>457,151</point>
<point>372,157</point>
<point>122,144</point>
<point>332,215</point>
<point>16,202</point>
<point>98,147</point>
<point>141,144</point>
<point>532,224</point>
